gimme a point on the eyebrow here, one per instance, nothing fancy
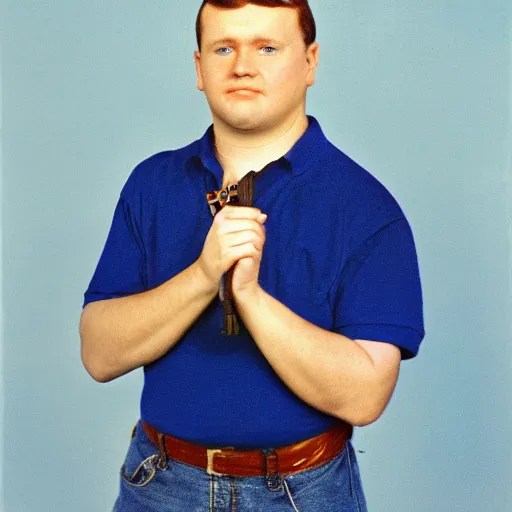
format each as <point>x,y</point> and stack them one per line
<point>255,40</point>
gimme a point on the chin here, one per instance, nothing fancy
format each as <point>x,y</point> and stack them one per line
<point>242,122</point>
<point>246,120</point>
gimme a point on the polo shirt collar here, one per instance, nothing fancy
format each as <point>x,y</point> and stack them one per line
<point>299,157</point>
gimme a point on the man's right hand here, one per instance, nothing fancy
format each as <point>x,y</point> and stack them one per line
<point>236,232</point>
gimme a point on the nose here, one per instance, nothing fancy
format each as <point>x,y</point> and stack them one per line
<point>244,63</point>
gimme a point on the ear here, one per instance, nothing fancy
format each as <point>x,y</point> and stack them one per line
<point>312,56</point>
<point>197,61</point>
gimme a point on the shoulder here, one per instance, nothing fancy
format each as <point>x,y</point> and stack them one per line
<point>156,172</point>
<point>356,183</point>
<point>363,201</point>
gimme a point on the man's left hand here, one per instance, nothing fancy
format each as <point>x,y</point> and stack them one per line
<point>246,270</point>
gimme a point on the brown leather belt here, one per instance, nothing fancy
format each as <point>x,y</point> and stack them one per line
<point>285,460</point>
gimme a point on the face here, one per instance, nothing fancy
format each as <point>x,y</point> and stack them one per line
<point>255,47</point>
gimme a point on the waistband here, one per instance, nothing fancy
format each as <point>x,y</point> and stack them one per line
<point>222,461</point>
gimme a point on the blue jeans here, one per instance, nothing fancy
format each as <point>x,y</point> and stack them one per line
<point>144,487</point>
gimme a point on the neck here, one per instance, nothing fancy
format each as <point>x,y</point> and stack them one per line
<point>238,153</point>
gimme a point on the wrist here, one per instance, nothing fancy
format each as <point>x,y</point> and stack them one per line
<point>204,279</point>
<point>249,296</point>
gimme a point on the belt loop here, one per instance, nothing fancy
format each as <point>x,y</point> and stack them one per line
<point>164,458</point>
<point>272,477</point>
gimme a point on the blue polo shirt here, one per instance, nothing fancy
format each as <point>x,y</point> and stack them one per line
<point>339,252</point>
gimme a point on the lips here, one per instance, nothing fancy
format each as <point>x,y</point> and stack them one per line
<point>243,89</point>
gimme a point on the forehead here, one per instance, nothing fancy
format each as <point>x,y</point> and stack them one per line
<point>249,21</point>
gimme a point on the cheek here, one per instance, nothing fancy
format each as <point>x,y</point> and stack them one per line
<point>287,76</point>
<point>286,87</point>
<point>213,76</point>
<point>278,79</point>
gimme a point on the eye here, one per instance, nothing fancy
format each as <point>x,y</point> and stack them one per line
<point>219,50</point>
<point>223,48</point>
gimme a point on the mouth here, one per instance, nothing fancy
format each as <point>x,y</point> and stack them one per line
<point>244,90</point>
<point>244,94</point>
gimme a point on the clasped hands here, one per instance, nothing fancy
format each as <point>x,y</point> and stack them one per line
<point>237,235</point>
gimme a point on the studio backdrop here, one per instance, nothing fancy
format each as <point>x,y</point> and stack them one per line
<point>417,92</point>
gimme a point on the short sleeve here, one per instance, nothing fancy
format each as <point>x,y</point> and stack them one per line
<point>121,267</point>
<point>378,295</point>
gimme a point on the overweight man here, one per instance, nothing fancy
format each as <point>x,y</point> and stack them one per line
<point>325,282</point>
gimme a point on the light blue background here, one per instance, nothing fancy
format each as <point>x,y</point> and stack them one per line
<point>418,92</point>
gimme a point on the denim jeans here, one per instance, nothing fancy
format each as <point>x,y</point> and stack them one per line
<point>179,487</point>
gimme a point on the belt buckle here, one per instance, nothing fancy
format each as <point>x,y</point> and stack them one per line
<point>210,452</point>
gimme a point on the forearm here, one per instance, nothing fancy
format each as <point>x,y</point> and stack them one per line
<point>327,370</point>
<point>119,335</point>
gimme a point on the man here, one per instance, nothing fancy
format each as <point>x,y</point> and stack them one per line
<point>328,291</point>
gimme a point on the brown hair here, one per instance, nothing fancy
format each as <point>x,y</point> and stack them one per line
<point>306,20</point>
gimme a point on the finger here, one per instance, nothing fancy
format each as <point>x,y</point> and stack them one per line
<point>243,251</point>
<point>243,237</point>
<point>236,225</point>
<point>241,212</point>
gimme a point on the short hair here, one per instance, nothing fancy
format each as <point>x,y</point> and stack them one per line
<point>306,19</point>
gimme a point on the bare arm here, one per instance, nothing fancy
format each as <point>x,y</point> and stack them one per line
<point>349,379</point>
<point>119,335</point>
